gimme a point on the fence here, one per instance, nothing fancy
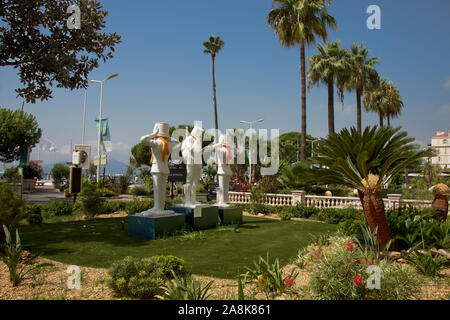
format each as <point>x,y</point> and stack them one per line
<point>393,201</point>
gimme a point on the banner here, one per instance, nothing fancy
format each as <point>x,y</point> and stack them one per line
<point>105,134</point>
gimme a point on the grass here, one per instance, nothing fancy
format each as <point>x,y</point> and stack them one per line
<point>218,252</point>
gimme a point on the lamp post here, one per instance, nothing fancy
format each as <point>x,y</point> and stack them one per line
<point>312,151</point>
<point>84,117</point>
<point>250,153</point>
<point>100,120</point>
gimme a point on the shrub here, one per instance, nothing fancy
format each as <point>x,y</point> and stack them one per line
<point>334,216</point>
<point>257,198</point>
<point>140,191</point>
<point>303,211</point>
<point>105,192</point>
<point>60,171</point>
<point>59,208</point>
<point>185,288</point>
<point>113,207</point>
<point>91,203</point>
<point>32,170</point>
<point>171,264</point>
<point>138,206</point>
<point>33,214</point>
<point>139,278</point>
<point>10,209</point>
<point>425,263</point>
<point>351,228</point>
<point>341,271</point>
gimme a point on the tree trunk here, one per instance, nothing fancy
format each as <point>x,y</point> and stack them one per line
<point>388,121</point>
<point>303,85</point>
<point>380,114</point>
<point>440,203</point>
<point>376,217</point>
<point>358,110</point>
<point>216,123</point>
<point>330,105</point>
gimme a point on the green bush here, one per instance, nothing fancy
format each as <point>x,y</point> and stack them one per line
<point>139,278</point>
<point>10,209</point>
<point>334,216</point>
<point>33,214</point>
<point>60,171</point>
<point>185,288</point>
<point>303,211</point>
<point>140,191</point>
<point>425,263</point>
<point>171,264</point>
<point>113,207</point>
<point>138,206</point>
<point>350,228</point>
<point>58,208</point>
<point>90,200</point>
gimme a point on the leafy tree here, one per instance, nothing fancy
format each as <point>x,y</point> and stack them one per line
<point>60,171</point>
<point>327,67</point>
<point>141,155</point>
<point>298,22</point>
<point>213,46</point>
<point>35,39</point>
<point>19,132</point>
<point>290,146</point>
<point>366,161</point>
<point>361,71</point>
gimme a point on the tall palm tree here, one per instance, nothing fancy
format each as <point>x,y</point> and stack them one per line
<point>213,46</point>
<point>327,67</point>
<point>298,22</point>
<point>366,161</point>
<point>383,97</point>
<point>360,73</point>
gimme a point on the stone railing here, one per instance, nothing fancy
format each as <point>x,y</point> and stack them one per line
<point>299,197</point>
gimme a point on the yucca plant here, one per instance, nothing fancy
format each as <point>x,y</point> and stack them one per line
<point>425,263</point>
<point>366,161</point>
<point>185,288</point>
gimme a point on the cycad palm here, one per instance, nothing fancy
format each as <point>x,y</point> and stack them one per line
<point>366,161</point>
<point>361,72</point>
<point>326,67</point>
<point>213,46</point>
<point>299,22</point>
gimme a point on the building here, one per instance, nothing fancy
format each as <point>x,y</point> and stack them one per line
<point>441,144</point>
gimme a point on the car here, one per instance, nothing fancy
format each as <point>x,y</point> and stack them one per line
<point>212,194</point>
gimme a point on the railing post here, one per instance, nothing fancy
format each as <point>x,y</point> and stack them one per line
<point>393,200</point>
<point>298,197</point>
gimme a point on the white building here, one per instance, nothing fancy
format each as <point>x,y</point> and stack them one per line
<point>441,143</point>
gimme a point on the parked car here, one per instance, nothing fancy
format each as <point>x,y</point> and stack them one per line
<point>212,194</point>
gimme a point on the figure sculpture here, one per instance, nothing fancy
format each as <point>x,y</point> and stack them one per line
<point>191,150</point>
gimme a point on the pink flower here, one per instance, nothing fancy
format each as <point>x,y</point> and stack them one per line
<point>289,282</point>
<point>358,280</point>
<point>350,246</point>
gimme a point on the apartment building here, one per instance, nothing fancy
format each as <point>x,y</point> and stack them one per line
<point>441,143</point>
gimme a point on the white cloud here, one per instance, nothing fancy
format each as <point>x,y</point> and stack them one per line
<point>445,109</point>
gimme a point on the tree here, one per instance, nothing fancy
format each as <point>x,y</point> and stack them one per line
<point>59,172</point>
<point>361,71</point>
<point>299,22</point>
<point>35,39</point>
<point>383,97</point>
<point>141,155</point>
<point>10,209</point>
<point>290,146</point>
<point>19,133</point>
<point>327,67</point>
<point>366,162</point>
<point>213,46</point>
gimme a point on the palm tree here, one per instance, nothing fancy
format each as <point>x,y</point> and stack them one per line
<point>383,97</point>
<point>213,46</point>
<point>366,161</point>
<point>327,67</point>
<point>299,22</point>
<point>360,73</point>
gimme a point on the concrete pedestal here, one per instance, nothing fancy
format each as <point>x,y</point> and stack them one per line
<point>230,215</point>
<point>150,227</point>
<point>199,218</point>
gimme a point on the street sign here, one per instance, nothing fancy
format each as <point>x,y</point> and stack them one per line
<point>84,152</point>
<point>103,162</point>
<point>177,175</point>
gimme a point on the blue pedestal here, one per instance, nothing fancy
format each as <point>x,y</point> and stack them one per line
<point>152,227</point>
<point>205,218</point>
<point>230,215</point>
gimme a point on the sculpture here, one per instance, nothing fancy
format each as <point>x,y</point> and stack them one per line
<point>191,150</point>
<point>161,145</point>
<point>224,154</point>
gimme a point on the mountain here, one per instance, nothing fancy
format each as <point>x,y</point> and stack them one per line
<point>113,167</point>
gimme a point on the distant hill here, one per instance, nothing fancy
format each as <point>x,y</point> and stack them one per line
<point>113,167</point>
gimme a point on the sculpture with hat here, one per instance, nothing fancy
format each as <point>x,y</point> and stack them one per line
<point>161,145</point>
<point>191,150</point>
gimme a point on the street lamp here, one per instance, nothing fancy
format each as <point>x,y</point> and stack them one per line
<point>250,153</point>
<point>312,151</point>
<point>84,116</point>
<point>100,119</point>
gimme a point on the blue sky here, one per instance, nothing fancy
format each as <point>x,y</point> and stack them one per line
<point>164,75</point>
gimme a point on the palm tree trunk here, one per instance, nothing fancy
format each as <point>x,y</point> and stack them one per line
<point>216,123</point>
<point>330,105</point>
<point>376,217</point>
<point>358,110</point>
<point>380,114</point>
<point>388,121</point>
<point>303,85</point>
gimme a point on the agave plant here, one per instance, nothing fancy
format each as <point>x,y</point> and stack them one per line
<point>366,161</point>
<point>185,288</point>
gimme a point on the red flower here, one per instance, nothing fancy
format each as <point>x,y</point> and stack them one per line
<point>350,246</point>
<point>317,254</point>
<point>289,282</point>
<point>358,280</point>
<point>361,260</point>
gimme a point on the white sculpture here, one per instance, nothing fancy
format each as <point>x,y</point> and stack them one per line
<point>225,154</point>
<point>162,145</point>
<point>191,150</point>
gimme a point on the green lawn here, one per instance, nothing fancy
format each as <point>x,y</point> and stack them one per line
<point>219,252</point>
